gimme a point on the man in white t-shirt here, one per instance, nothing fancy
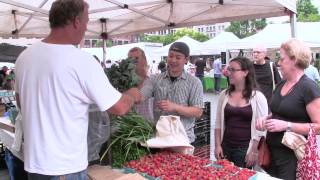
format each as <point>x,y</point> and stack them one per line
<point>55,84</point>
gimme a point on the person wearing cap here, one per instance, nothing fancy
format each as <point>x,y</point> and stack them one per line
<point>266,72</point>
<point>175,91</point>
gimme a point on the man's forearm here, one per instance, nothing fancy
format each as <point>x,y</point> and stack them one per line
<point>188,111</point>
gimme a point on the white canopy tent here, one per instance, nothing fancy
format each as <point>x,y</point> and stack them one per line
<point>119,52</point>
<point>29,18</point>
<point>274,34</point>
<point>194,46</point>
<point>219,43</point>
<point>20,41</point>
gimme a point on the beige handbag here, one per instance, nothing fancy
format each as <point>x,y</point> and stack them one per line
<point>296,142</point>
<point>170,135</point>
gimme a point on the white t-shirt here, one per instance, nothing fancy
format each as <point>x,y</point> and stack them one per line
<point>217,66</point>
<point>56,85</point>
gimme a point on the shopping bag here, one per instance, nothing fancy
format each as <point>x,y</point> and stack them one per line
<point>296,142</point>
<point>170,135</point>
<point>264,158</point>
<point>309,167</point>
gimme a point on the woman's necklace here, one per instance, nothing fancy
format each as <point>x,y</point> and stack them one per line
<point>291,88</point>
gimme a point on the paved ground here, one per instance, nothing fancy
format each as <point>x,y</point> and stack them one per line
<point>213,99</point>
<point>4,175</point>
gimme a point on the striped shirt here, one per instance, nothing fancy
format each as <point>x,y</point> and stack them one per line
<point>186,90</point>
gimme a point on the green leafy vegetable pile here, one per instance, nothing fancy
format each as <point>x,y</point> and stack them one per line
<point>129,131</point>
<point>123,76</point>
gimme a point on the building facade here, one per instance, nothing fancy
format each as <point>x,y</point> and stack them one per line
<point>211,30</point>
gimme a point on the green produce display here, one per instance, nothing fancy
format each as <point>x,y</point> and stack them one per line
<point>128,131</point>
<point>123,76</point>
<point>131,129</point>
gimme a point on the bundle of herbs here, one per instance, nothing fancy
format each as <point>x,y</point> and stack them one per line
<point>131,129</point>
<point>123,76</point>
<point>128,131</point>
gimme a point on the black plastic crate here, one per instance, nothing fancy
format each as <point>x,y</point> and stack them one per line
<point>202,152</point>
<point>2,160</point>
<point>206,109</point>
<point>202,139</point>
<point>201,128</point>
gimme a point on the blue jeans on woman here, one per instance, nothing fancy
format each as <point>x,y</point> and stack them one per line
<point>82,175</point>
<point>235,155</point>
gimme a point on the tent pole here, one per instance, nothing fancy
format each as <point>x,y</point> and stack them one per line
<point>104,42</point>
<point>293,24</point>
<point>104,36</point>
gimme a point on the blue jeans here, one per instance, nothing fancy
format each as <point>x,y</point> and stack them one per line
<point>217,82</point>
<point>15,167</point>
<point>82,175</point>
<point>235,155</point>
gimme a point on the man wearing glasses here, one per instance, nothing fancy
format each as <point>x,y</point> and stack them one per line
<point>266,72</point>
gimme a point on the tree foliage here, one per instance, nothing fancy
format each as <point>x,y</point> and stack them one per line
<point>307,12</point>
<point>246,28</point>
<point>167,39</point>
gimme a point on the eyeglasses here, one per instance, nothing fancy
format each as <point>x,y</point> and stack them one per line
<point>230,69</point>
<point>257,52</point>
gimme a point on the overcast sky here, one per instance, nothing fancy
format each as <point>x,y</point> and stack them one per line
<point>316,3</point>
<point>286,18</point>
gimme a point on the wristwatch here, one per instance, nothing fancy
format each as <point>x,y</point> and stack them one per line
<point>289,127</point>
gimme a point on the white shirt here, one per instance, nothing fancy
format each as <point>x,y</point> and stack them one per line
<point>217,66</point>
<point>154,69</point>
<point>56,85</point>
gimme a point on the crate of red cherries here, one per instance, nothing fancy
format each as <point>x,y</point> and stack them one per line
<point>169,165</point>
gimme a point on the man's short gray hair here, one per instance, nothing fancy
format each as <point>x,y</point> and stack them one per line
<point>63,12</point>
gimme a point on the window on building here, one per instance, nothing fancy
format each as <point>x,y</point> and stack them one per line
<point>94,42</point>
<point>87,43</point>
<point>213,28</point>
<point>125,42</point>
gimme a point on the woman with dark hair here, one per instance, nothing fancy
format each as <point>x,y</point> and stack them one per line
<point>236,137</point>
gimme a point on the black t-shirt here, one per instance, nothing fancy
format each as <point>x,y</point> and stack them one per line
<point>264,78</point>
<point>200,65</point>
<point>292,107</point>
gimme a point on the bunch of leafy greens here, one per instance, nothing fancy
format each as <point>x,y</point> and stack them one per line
<point>129,131</point>
<point>123,76</point>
